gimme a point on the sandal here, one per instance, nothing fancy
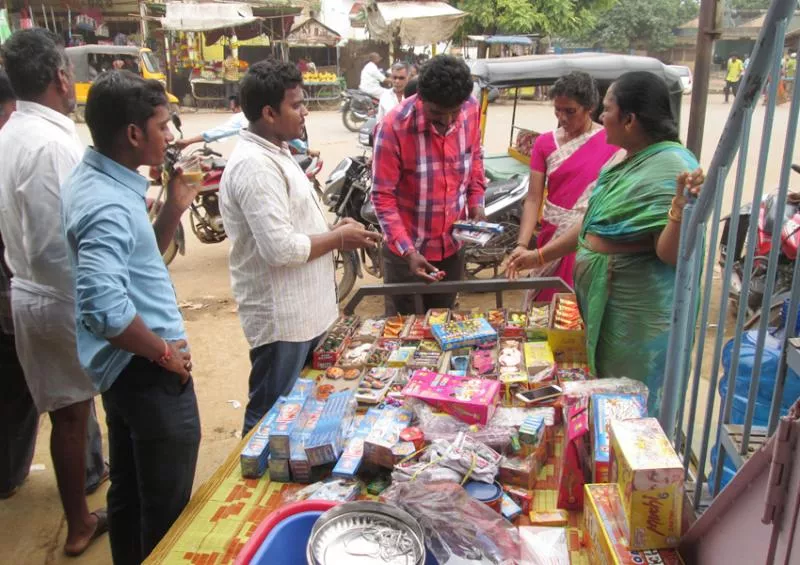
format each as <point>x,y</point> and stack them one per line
<point>100,528</point>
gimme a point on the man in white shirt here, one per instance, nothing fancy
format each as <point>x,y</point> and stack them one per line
<point>41,143</point>
<point>281,261</point>
<point>394,95</point>
<point>372,78</point>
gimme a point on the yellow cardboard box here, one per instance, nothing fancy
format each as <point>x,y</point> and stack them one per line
<point>650,478</point>
<point>564,342</point>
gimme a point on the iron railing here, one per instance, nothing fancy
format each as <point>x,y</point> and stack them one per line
<point>695,279</point>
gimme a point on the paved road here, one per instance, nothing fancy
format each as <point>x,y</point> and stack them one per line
<point>31,524</point>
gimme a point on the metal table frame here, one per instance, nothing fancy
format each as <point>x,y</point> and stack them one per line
<point>498,286</point>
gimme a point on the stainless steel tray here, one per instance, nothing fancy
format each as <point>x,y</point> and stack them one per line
<point>366,532</point>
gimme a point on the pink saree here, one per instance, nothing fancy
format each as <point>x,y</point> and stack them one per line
<point>571,172</point>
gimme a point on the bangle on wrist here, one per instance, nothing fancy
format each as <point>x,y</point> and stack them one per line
<point>541,256</point>
<point>674,216</point>
<point>166,356</point>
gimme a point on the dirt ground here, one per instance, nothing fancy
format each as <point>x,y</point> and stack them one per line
<point>32,527</point>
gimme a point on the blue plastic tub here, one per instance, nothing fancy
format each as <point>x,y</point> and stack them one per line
<point>288,540</point>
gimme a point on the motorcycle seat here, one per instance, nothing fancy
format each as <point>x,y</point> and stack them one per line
<point>499,188</point>
<point>368,212</point>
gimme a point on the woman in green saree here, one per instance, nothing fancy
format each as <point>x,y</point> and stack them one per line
<point>627,244</point>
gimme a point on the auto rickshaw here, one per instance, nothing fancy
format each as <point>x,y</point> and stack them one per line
<point>91,60</point>
<point>508,173</point>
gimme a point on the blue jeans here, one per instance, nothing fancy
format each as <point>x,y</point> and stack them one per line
<point>276,367</point>
<point>153,438</point>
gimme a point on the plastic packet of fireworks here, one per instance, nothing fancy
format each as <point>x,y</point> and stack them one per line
<point>424,471</point>
<point>459,529</point>
<point>544,546</point>
<point>341,490</point>
<point>466,456</point>
<point>577,390</point>
<point>440,426</point>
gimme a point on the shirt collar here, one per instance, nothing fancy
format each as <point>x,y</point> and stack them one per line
<point>57,118</point>
<point>123,175</point>
<point>424,125</point>
<point>248,135</point>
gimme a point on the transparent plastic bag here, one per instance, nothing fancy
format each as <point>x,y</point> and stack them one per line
<point>576,390</point>
<point>459,530</point>
<point>440,426</point>
<point>544,546</point>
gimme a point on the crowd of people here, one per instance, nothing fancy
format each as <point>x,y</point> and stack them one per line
<point>91,308</point>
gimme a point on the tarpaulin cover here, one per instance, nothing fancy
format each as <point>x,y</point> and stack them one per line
<point>207,16</point>
<point>416,23</point>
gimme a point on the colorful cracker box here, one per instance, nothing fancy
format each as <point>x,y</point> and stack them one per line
<point>566,333</point>
<point>531,432</point>
<point>509,509</point>
<point>400,357</point>
<point>650,477</point>
<point>324,445</point>
<point>350,461</point>
<point>298,461</point>
<point>538,322</point>
<point>254,456</point>
<point>511,362</point>
<point>552,518</point>
<point>516,324</point>
<point>279,470</point>
<point>604,526</point>
<point>435,316</point>
<point>384,435</point>
<point>483,362</point>
<point>574,468</point>
<point>284,425</point>
<point>454,335</point>
<point>518,471</point>
<point>470,400</point>
<point>605,409</point>
<point>539,362</point>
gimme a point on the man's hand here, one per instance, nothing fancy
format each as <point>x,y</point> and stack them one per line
<point>344,222</point>
<point>180,193</point>
<point>353,235</point>
<point>313,153</point>
<point>180,362</point>
<point>420,267</point>
<point>477,214</point>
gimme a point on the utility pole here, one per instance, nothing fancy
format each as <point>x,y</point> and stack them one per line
<point>708,30</point>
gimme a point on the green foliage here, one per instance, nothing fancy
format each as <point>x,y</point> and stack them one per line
<point>642,24</point>
<point>749,4</point>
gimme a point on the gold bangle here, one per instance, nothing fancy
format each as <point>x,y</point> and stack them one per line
<point>541,256</point>
<point>674,217</point>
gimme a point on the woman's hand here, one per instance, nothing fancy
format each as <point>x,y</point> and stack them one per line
<point>685,184</point>
<point>520,260</point>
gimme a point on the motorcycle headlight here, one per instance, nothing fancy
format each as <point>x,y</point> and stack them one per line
<point>333,189</point>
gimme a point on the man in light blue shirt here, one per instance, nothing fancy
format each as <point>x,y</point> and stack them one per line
<point>131,338</point>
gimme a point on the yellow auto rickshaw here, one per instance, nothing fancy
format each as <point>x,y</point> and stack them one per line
<point>91,60</point>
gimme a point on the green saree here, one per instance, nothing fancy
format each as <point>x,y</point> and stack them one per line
<point>626,298</point>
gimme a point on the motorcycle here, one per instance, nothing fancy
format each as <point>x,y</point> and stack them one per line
<point>347,195</point>
<point>357,107</point>
<point>790,241</point>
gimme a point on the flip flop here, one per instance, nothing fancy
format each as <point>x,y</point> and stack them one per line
<point>100,529</point>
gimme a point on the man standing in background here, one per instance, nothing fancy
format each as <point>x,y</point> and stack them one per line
<point>42,143</point>
<point>394,95</point>
<point>734,76</point>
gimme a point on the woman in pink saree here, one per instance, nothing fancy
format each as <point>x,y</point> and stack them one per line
<point>566,162</point>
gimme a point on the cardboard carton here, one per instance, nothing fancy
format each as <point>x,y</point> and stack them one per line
<point>605,409</point>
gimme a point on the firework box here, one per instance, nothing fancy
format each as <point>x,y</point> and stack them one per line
<point>283,427</point>
<point>298,461</point>
<point>531,432</point>
<point>324,445</point>
<point>650,478</point>
<point>574,468</point>
<point>604,526</point>
<point>384,435</point>
<point>350,461</point>
<point>565,341</point>
<point>605,409</point>
<point>470,400</point>
<point>539,362</point>
<point>279,470</point>
<point>454,335</point>
<point>255,454</point>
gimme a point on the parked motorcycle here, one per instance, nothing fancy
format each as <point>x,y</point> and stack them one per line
<point>357,107</point>
<point>347,195</point>
<point>790,241</point>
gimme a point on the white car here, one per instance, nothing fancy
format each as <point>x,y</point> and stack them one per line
<point>686,77</point>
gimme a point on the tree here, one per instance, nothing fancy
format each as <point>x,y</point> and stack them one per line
<point>546,17</point>
<point>643,24</point>
<point>749,4</point>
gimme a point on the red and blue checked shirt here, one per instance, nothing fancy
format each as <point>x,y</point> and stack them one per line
<point>424,181</point>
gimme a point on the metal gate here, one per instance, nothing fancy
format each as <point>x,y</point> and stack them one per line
<point>694,357</point>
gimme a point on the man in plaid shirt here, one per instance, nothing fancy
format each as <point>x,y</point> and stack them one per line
<point>428,174</point>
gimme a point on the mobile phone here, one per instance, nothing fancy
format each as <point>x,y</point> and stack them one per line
<point>539,394</point>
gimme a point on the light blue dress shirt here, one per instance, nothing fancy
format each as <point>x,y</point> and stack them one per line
<point>118,268</point>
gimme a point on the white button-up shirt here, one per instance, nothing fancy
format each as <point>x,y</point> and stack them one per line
<point>372,80</point>
<point>269,210</point>
<point>39,149</point>
<point>387,102</point>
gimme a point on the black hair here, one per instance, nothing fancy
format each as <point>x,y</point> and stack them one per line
<point>411,88</point>
<point>234,100</point>
<point>118,99</point>
<point>32,59</point>
<point>6,92</point>
<point>647,96</point>
<point>265,84</point>
<point>578,86</point>
<point>445,81</point>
